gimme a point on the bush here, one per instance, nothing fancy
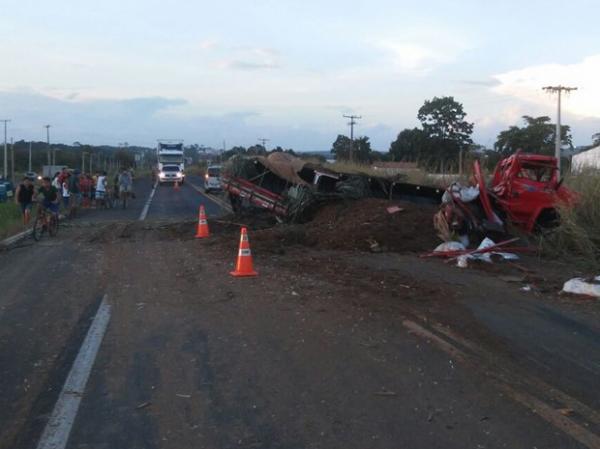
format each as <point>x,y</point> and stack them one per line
<point>10,218</point>
<point>577,237</point>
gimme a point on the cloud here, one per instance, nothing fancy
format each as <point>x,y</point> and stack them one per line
<point>208,44</point>
<point>482,83</point>
<point>245,58</point>
<point>526,84</point>
<point>90,121</point>
<point>420,51</point>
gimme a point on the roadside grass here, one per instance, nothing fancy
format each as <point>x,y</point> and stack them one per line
<point>577,237</point>
<point>196,169</point>
<point>10,219</point>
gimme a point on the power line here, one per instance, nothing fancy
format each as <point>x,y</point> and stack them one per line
<point>5,149</point>
<point>352,122</point>
<point>264,142</point>
<point>559,90</point>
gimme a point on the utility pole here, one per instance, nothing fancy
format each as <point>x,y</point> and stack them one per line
<point>5,149</point>
<point>12,160</point>
<point>559,90</point>
<point>29,156</point>
<point>352,122</point>
<point>48,142</point>
<point>264,142</point>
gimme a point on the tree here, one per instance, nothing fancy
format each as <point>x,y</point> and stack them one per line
<point>447,133</point>
<point>344,149</point>
<point>279,149</point>
<point>235,151</point>
<point>341,147</point>
<point>409,145</point>
<point>124,157</point>
<point>191,152</point>
<point>257,150</point>
<point>537,136</point>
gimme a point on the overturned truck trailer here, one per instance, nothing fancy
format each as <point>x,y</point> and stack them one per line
<point>293,188</point>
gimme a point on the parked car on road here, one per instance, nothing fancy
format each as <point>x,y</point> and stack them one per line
<point>7,190</point>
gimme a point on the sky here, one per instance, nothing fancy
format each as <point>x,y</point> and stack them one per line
<point>235,71</point>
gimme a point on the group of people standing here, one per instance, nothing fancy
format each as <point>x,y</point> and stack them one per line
<point>74,189</point>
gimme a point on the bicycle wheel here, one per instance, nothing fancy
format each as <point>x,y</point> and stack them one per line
<point>39,227</point>
<point>53,226</point>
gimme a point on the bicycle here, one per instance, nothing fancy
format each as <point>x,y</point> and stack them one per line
<point>45,220</point>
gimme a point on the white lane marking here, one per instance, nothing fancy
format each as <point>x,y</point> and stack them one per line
<point>544,410</point>
<point>58,428</point>
<point>15,238</point>
<point>213,198</point>
<point>147,205</point>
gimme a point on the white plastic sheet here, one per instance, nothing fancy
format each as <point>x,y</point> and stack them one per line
<point>464,193</point>
<point>487,257</point>
<point>580,286</point>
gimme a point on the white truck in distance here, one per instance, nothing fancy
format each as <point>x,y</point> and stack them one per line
<point>170,161</point>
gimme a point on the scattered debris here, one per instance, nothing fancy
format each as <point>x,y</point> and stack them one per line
<point>484,251</point>
<point>566,411</point>
<point>143,405</point>
<point>185,396</point>
<point>581,286</point>
<point>394,209</point>
<point>462,261</point>
<point>385,393</point>
<point>449,247</point>
<point>487,243</point>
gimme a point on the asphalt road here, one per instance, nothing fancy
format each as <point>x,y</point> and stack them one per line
<point>167,203</point>
<point>297,358</point>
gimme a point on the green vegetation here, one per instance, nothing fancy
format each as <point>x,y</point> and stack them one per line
<point>358,151</point>
<point>10,218</point>
<point>537,136</point>
<point>103,156</point>
<point>443,136</point>
<point>577,237</point>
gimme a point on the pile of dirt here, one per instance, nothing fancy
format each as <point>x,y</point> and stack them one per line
<point>360,225</point>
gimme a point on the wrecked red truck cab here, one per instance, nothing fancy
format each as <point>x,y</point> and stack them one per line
<point>527,189</point>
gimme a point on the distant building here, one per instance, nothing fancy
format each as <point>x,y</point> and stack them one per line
<point>589,159</point>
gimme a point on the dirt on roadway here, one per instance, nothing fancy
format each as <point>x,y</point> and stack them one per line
<point>331,346</point>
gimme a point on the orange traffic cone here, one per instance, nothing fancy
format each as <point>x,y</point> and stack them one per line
<point>202,229</point>
<point>244,266</point>
<point>176,185</point>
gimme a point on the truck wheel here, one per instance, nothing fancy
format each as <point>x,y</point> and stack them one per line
<point>547,219</point>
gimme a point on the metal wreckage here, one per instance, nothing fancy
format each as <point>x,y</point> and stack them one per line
<point>525,191</point>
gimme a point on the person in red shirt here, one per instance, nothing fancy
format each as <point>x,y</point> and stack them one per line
<point>84,186</point>
<point>62,178</point>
